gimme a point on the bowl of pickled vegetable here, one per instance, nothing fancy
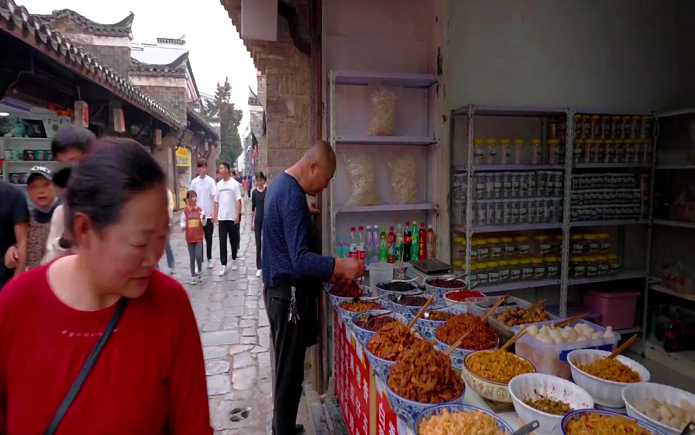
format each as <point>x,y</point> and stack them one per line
<point>346,309</point>
<point>433,317</point>
<point>605,378</point>
<point>546,398</point>
<point>367,323</point>
<point>488,372</point>
<point>441,286</point>
<point>386,289</point>
<point>598,422</point>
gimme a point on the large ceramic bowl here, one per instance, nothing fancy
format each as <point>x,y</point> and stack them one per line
<point>491,390</point>
<point>345,315</point>
<point>456,408</point>
<point>383,293</point>
<point>460,304</point>
<point>427,328</point>
<point>439,292</point>
<point>364,335</point>
<point>574,415</point>
<point>380,366</point>
<point>409,311</point>
<point>531,385</point>
<point>635,393</point>
<point>336,300</point>
<point>606,393</point>
<point>409,410</point>
<point>458,355</point>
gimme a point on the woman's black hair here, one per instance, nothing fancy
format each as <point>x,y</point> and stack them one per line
<point>113,173</point>
<point>72,137</point>
<point>261,176</point>
<point>190,194</point>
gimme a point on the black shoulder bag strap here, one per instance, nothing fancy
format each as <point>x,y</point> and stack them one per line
<point>86,368</point>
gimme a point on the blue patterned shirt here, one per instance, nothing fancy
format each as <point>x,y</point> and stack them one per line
<point>286,227</point>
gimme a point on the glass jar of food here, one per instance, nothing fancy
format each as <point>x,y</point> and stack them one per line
<point>504,270</point>
<point>627,127</point>
<point>483,249</point>
<point>543,244</point>
<point>604,241</point>
<point>614,263</point>
<point>493,270</point>
<point>554,152</point>
<point>509,247</point>
<point>578,127</point>
<point>474,250</point>
<point>646,132</point>
<point>514,270</point>
<point>483,273</point>
<point>577,267</point>
<point>577,244</point>
<point>589,151</point>
<point>523,247</point>
<point>505,151</point>
<point>591,266</point>
<point>552,265</point>
<point>604,266</point>
<point>473,276</point>
<point>620,151</point>
<point>491,151</point>
<point>556,244</point>
<point>600,151</point>
<point>459,247</point>
<point>478,151</point>
<point>647,151</point>
<point>591,244</point>
<point>518,150</point>
<point>605,127</point>
<point>526,268</point>
<point>616,127</point>
<point>595,127</point>
<point>586,126</point>
<point>610,152</point>
<point>636,127</point>
<point>578,151</point>
<point>539,270</point>
<point>536,152</point>
<point>495,246</point>
<point>629,150</point>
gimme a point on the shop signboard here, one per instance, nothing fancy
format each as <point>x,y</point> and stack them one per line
<point>183,170</point>
<point>183,157</point>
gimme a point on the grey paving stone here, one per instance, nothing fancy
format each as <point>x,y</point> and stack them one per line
<point>216,367</point>
<point>220,337</point>
<point>218,384</point>
<point>213,352</point>
<point>244,379</point>
<point>244,359</point>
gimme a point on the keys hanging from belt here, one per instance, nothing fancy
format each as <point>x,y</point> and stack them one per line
<point>293,315</point>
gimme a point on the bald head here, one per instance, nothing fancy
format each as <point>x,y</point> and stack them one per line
<point>315,169</point>
<point>321,151</point>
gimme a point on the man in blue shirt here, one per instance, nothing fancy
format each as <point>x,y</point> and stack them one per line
<point>293,272</point>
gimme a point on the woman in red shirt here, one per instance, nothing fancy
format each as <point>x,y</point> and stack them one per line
<point>149,378</point>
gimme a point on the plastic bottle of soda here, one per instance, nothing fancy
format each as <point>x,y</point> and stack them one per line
<point>361,253</point>
<point>399,242</point>
<point>422,240</point>
<point>407,242</point>
<point>391,246</point>
<point>383,246</point>
<point>431,243</point>
<point>375,245</point>
<point>368,244</point>
<point>353,243</point>
<point>414,242</point>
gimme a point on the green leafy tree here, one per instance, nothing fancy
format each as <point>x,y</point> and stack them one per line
<point>222,109</point>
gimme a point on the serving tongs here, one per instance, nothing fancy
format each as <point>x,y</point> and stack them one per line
<point>527,428</point>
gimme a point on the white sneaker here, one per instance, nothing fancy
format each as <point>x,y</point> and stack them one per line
<point>194,281</point>
<point>209,264</point>
<point>200,277</point>
<point>258,273</point>
<point>223,271</point>
<point>233,267</point>
<point>171,272</point>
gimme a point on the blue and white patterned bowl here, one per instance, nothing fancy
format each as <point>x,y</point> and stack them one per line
<point>345,315</point>
<point>459,354</point>
<point>427,328</point>
<point>364,335</point>
<point>575,415</point>
<point>337,300</point>
<point>406,310</point>
<point>439,292</point>
<point>380,366</point>
<point>383,293</point>
<point>456,408</point>
<point>409,410</point>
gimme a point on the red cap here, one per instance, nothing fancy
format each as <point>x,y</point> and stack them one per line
<point>407,223</point>
<point>390,228</point>
<point>352,228</point>
<point>361,228</point>
<point>422,224</point>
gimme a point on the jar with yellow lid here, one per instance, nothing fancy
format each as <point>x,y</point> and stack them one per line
<point>483,273</point>
<point>630,151</point>
<point>578,151</point>
<point>509,247</point>
<point>605,127</point>
<point>556,244</point>
<point>459,247</point>
<point>646,130</point>
<point>495,246</point>
<point>473,276</point>
<point>542,244</point>
<point>604,266</point>
<point>616,127</point>
<point>636,127</point>
<point>554,152</point>
<point>526,268</point>
<point>505,151</point>
<point>614,263</point>
<point>552,266</point>
<point>539,270</point>
<point>518,150</point>
<point>514,270</point>
<point>610,152</point>
<point>604,242</point>
<point>620,151</point>
<point>536,152</point>
<point>591,244</point>
<point>523,247</point>
<point>589,150</point>
<point>627,127</point>
<point>647,151</point>
<point>459,265</point>
<point>483,249</point>
<point>577,244</point>
<point>577,267</point>
<point>600,151</point>
<point>491,151</point>
<point>505,272</point>
<point>591,266</point>
<point>578,127</point>
<point>595,127</point>
<point>586,126</point>
<point>493,270</point>
<point>478,151</point>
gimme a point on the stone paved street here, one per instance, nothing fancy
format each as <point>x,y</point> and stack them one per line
<point>235,335</point>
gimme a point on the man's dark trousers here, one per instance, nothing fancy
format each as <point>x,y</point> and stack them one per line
<point>208,229</point>
<point>289,344</point>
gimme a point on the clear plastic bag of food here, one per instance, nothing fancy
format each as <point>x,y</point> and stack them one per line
<point>403,171</point>
<point>383,121</point>
<point>360,170</point>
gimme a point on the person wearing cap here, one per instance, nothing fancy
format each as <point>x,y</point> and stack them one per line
<point>43,199</point>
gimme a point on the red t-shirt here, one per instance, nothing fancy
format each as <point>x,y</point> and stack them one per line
<point>149,379</point>
<point>194,224</point>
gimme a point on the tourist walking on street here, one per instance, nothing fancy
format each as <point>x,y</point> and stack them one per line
<point>245,187</point>
<point>292,273</point>
<point>192,223</point>
<point>227,214</point>
<point>14,229</point>
<point>204,187</point>
<point>240,210</point>
<point>85,314</point>
<point>257,206</point>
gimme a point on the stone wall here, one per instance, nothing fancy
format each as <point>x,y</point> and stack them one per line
<point>170,92</point>
<point>118,58</point>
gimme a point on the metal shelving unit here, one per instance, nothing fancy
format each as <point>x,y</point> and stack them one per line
<point>518,285</point>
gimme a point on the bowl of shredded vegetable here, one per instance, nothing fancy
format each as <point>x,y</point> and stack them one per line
<point>488,372</point>
<point>458,419</point>
<point>605,379</point>
<point>598,422</point>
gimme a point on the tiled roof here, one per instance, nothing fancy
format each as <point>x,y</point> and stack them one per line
<point>121,28</point>
<point>32,29</point>
<point>177,68</point>
<point>206,125</point>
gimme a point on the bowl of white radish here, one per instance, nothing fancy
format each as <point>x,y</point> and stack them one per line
<point>668,408</point>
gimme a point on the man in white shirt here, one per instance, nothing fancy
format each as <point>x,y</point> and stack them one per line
<point>235,176</point>
<point>205,188</point>
<point>227,212</point>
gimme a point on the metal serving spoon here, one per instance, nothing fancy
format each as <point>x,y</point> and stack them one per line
<point>527,428</point>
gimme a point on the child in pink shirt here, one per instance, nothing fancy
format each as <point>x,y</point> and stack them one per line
<point>192,222</point>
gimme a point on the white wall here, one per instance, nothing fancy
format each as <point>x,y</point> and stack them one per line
<point>618,55</point>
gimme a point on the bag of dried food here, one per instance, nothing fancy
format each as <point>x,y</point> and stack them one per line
<point>383,122</point>
<point>403,171</point>
<point>362,181</point>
